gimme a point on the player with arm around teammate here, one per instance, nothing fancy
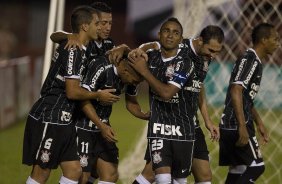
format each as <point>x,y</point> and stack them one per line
<point>49,138</point>
<point>171,127</point>
<point>201,50</point>
<point>239,148</point>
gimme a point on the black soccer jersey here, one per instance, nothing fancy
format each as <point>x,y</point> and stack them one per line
<point>101,75</point>
<point>247,72</point>
<point>171,119</point>
<point>95,49</point>
<point>53,105</point>
<point>201,68</point>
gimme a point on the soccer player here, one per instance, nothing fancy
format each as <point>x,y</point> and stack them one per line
<point>171,125</point>
<point>201,50</point>
<point>92,145</point>
<point>239,148</point>
<point>50,135</point>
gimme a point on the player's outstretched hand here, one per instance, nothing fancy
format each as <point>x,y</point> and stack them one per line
<point>243,136</point>
<point>135,53</point>
<point>263,133</point>
<point>108,133</point>
<point>106,96</point>
<point>73,42</point>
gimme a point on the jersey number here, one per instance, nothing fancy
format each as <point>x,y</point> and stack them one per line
<point>84,147</point>
<point>48,143</point>
<point>157,144</point>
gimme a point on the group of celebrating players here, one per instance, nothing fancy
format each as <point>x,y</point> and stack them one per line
<point>69,125</point>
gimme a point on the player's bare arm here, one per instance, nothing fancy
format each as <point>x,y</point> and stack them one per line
<point>237,102</point>
<point>214,130</point>
<point>260,127</point>
<point>75,92</point>
<point>107,132</point>
<point>134,108</point>
<point>165,91</point>
<point>73,40</point>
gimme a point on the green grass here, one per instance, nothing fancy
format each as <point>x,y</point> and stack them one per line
<point>128,130</point>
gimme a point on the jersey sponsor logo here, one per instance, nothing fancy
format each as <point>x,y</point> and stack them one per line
<point>83,161</point>
<point>70,61</point>
<point>251,73</point>
<point>166,129</point>
<point>66,116</point>
<point>196,86</point>
<point>241,66</point>
<point>157,157</point>
<point>45,157</point>
<point>96,76</point>
<point>183,170</point>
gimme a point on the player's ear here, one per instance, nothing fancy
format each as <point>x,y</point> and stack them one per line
<point>85,27</point>
<point>201,41</point>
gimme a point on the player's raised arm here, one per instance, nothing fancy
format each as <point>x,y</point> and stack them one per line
<point>73,40</point>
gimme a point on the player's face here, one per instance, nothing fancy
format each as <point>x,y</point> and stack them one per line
<point>211,49</point>
<point>170,35</point>
<point>272,43</point>
<point>105,24</point>
<point>94,27</point>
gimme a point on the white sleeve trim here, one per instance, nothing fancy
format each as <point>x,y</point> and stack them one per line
<point>175,84</point>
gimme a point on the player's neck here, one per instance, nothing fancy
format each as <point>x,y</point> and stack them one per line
<point>196,45</point>
<point>167,53</point>
<point>83,38</point>
<point>260,51</point>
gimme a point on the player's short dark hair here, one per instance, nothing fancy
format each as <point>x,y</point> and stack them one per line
<point>132,71</point>
<point>173,19</point>
<point>212,32</point>
<point>261,31</point>
<point>102,7</point>
<point>81,15</point>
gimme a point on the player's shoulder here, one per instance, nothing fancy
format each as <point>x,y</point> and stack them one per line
<point>100,61</point>
<point>250,55</point>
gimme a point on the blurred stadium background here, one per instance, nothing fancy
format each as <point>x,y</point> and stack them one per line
<point>23,36</point>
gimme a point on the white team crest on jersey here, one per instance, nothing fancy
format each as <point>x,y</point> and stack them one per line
<point>45,157</point>
<point>83,161</point>
<point>169,71</point>
<point>157,157</point>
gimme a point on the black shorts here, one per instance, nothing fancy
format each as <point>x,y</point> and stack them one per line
<point>177,155</point>
<point>86,141</point>
<point>232,155</point>
<point>47,145</point>
<point>107,151</point>
<point>200,148</point>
